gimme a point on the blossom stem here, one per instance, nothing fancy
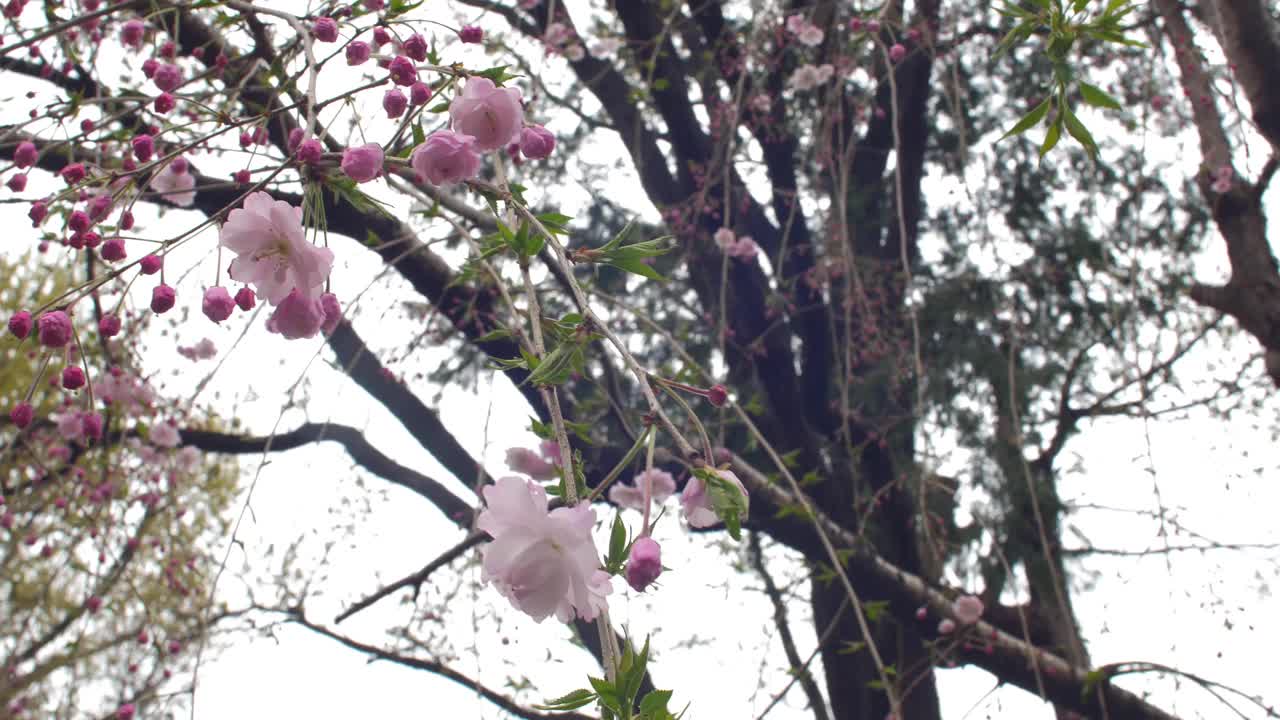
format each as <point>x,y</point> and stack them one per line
<point>648,484</point>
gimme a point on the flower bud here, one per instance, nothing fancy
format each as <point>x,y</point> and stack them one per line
<point>363,163</point>
<point>325,29</point>
<point>471,34</point>
<point>22,414</point>
<point>419,93</point>
<point>536,142</point>
<point>163,298</point>
<point>403,71</point>
<point>25,155</point>
<point>217,304</point>
<point>54,329</point>
<point>645,563</point>
<point>245,299</point>
<point>109,326</point>
<point>72,377</point>
<point>718,395</point>
<point>113,250</point>
<point>20,324</point>
<point>358,52</point>
<point>415,47</point>
<point>394,102</point>
<point>18,182</point>
<point>150,265</point>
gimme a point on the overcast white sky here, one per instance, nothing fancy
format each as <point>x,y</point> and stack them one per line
<point>1214,615</point>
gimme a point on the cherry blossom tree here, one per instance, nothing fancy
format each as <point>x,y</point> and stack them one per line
<point>849,280</point>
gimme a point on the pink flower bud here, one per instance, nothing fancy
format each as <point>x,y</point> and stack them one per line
<point>897,52</point>
<point>165,103</point>
<point>73,173</point>
<point>419,93</point>
<point>132,32</point>
<point>20,324</point>
<point>217,304</point>
<point>72,377</point>
<point>54,329</point>
<point>25,154</point>
<point>718,395</point>
<point>415,47</point>
<point>109,326</point>
<point>394,102</point>
<point>125,712</point>
<point>241,176</point>
<point>100,207</point>
<point>37,213</point>
<point>536,142</point>
<point>149,67</point>
<point>332,312</point>
<point>946,626</point>
<point>167,77</point>
<point>471,34</point>
<point>381,36</point>
<point>309,151</point>
<point>92,423</point>
<point>78,221</point>
<point>295,139</point>
<point>163,298</point>
<point>22,414</point>
<point>363,163</point>
<point>403,71</point>
<point>325,29</point>
<point>18,182</point>
<point>245,299</point>
<point>645,563</point>
<point>126,220</point>
<point>358,52</point>
<point>93,604</point>
<point>150,265</point>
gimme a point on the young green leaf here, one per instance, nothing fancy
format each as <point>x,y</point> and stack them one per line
<point>1031,119</point>
<point>1096,97</point>
<point>571,701</point>
<point>1080,132</point>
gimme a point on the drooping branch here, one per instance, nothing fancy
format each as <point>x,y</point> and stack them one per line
<point>352,440</point>
<point>435,667</point>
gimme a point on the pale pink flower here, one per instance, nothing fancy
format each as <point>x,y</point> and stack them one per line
<point>490,114</point>
<point>696,501</point>
<point>946,626</point>
<point>725,238</point>
<point>272,250</point>
<point>164,434</point>
<point>796,24</point>
<point>300,315</point>
<point>660,483</point>
<point>967,609</point>
<point>528,462</point>
<point>446,157</point>
<point>605,47</point>
<point>175,184</point>
<point>70,424</point>
<point>362,163</point>
<point>202,350</point>
<point>744,249</point>
<point>810,35</point>
<point>187,459</point>
<point>544,563</point>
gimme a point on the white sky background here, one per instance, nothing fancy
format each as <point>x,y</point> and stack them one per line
<point>1213,615</point>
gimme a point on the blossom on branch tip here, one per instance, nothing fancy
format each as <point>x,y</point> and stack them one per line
<point>536,142</point>
<point>272,252</point>
<point>175,184</point>
<point>363,163</point>
<point>358,52</point>
<point>446,157</point>
<point>54,329</point>
<point>528,462</point>
<point>490,114</point>
<point>968,609</point>
<point>395,103</point>
<point>25,155</point>
<point>544,562</point>
<point>471,34</point>
<point>298,316</point>
<point>696,500</point>
<point>661,485</point>
<point>217,304</point>
<point>325,29</point>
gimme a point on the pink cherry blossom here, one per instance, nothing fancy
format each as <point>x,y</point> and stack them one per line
<point>968,609</point>
<point>363,163</point>
<point>490,114</point>
<point>696,501</point>
<point>174,186</point>
<point>298,316</point>
<point>528,462</point>
<point>446,157</point>
<point>544,563</point>
<point>660,483</point>
<point>164,434</point>
<point>217,304</point>
<point>272,250</point>
<point>202,350</point>
<point>536,142</point>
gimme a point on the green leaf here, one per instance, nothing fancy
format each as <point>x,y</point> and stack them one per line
<point>874,609</point>
<point>654,705</point>
<point>571,701</point>
<point>1080,132</point>
<point>557,366</point>
<point>1031,119</point>
<point>400,7</point>
<point>728,502</point>
<point>1096,97</point>
<point>1051,137</point>
<point>419,136</point>
<point>617,556</point>
<point>497,74</point>
<point>607,694</point>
